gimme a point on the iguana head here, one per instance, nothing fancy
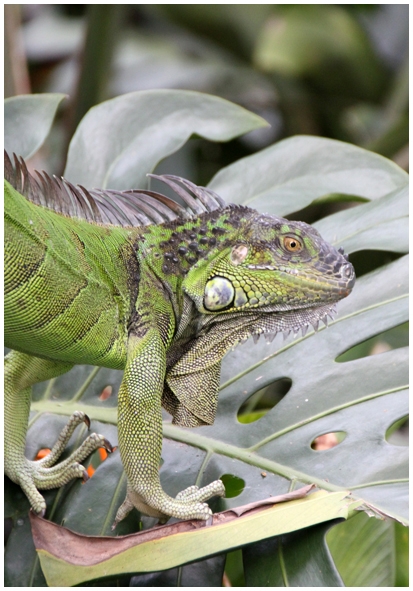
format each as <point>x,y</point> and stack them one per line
<point>273,265</point>
<point>268,275</point>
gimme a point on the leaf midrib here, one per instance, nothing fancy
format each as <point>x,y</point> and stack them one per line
<point>210,445</point>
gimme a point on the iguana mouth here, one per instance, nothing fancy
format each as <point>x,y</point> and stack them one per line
<point>345,273</point>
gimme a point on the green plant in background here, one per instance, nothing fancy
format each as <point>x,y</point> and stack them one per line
<point>361,398</point>
<point>330,70</point>
<point>337,71</point>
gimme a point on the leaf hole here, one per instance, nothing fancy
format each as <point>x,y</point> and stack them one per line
<point>263,400</point>
<point>233,485</point>
<point>96,459</point>
<point>398,432</point>
<point>365,261</point>
<point>106,392</point>
<point>328,440</point>
<point>394,338</point>
<point>42,453</point>
<point>325,206</point>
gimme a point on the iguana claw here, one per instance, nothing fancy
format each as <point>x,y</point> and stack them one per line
<point>108,446</point>
<point>48,473</point>
<point>188,504</point>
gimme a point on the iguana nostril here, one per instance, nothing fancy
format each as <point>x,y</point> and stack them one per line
<point>348,271</point>
<point>349,274</point>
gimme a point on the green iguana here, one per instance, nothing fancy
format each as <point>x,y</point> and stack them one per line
<point>132,280</point>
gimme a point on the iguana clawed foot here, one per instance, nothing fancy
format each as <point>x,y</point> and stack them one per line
<point>44,474</point>
<point>188,504</point>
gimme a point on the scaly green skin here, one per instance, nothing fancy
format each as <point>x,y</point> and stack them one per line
<point>165,302</point>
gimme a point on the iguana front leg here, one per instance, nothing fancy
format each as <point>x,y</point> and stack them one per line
<point>20,372</point>
<point>140,437</point>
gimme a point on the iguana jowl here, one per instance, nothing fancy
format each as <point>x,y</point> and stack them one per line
<point>132,280</point>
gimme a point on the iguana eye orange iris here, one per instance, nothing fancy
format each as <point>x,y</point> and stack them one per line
<point>292,244</point>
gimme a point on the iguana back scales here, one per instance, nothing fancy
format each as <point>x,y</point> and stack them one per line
<point>132,280</point>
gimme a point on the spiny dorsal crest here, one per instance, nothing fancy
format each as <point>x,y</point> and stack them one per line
<point>108,206</point>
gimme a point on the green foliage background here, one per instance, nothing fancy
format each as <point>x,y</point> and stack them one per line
<point>306,69</point>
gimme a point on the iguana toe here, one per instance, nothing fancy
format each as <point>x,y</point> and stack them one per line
<point>48,473</point>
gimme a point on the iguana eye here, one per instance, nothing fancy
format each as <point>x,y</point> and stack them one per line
<point>292,244</point>
<point>219,293</point>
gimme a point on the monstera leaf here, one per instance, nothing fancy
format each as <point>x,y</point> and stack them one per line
<point>265,453</point>
<point>148,125</point>
<point>28,120</point>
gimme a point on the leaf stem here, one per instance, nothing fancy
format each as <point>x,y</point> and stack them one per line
<point>203,466</point>
<point>378,483</point>
<point>282,562</point>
